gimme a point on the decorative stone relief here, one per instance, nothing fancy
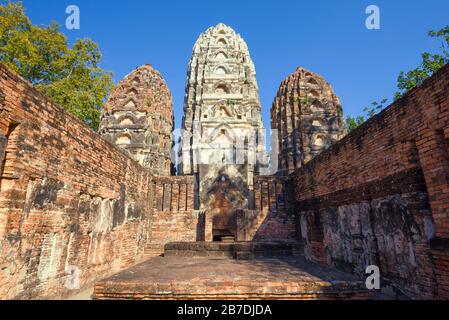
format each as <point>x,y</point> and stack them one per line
<point>309,118</point>
<point>141,106</point>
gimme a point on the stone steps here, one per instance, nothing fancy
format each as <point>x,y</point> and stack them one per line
<point>233,250</point>
<point>154,250</point>
<point>228,239</point>
<point>102,293</point>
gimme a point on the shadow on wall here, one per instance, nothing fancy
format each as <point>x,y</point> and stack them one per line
<point>273,217</point>
<point>378,196</point>
<point>71,204</point>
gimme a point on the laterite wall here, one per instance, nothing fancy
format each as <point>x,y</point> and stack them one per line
<point>381,195</point>
<point>71,205</point>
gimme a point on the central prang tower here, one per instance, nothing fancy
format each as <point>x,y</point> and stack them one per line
<point>223,143</point>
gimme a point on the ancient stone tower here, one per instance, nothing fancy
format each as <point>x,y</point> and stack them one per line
<point>138,118</point>
<point>223,143</point>
<point>308,118</point>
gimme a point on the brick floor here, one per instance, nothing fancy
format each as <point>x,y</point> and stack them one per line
<point>83,295</point>
<point>201,278</point>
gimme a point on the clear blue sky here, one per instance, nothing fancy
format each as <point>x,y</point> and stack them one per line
<point>326,36</point>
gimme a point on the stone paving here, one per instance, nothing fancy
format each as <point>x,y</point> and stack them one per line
<point>202,278</point>
<point>83,295</point>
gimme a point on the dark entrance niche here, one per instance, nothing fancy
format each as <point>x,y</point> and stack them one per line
<point>224,223</point>
<point>225,199</point>
<point>220,238</point>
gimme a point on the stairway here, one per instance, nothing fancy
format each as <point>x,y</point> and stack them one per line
<point>227,248</point>
<point>228,239</point>
<point>154,250</point>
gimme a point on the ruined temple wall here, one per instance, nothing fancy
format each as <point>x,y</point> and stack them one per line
<point>70,203</point>
<point>272,217</point>
<point>381,195</point>
<point>174,218</point>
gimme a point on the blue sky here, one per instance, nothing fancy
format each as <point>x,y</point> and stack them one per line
<point>326,36</point>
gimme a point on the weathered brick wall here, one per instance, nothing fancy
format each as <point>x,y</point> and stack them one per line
<point>440,256</point>
<point>69,200</point>
<point>174,218</point>
<point>272,218</point>
<point>381,195</point>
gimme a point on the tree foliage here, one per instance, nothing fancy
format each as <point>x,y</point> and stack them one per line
<point>354,123</point>
<point>70,76</point>
<point>376,107</point>
<point>431,63</point>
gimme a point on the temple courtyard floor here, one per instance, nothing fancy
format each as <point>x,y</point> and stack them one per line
<point>198,278</point>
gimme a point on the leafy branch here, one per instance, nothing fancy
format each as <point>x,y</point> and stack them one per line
<point>69,76</point>
<point>376,107</point>
<point>431,63</point>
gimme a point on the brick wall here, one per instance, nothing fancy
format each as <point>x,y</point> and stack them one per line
<point>381,195</point>
<point>174,218</point>
<point>272,218</point>
<point>70,203</point>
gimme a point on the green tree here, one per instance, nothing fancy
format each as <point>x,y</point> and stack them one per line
<point>376,107</point>
<point>70,76</point>
<point>354,123</point>
<point>430,64</point>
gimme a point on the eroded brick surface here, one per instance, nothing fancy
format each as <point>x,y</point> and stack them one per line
<point>70,203</point>
<point>272,217</point>
<point>173,216</point>
<point>379,196</point>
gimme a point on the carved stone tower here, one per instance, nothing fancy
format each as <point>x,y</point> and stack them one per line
<point>223,143</point>
<point>138,118</point>
<point>309,118</point>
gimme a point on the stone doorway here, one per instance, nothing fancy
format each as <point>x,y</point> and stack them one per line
<point>224,199</point>
<point>221,221</point>
<point>224,224</point>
